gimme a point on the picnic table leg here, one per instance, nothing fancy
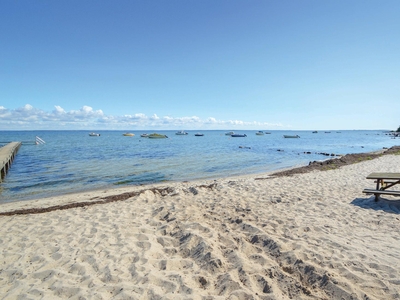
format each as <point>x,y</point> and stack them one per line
<point>376,197</point>
<point>378,182</point>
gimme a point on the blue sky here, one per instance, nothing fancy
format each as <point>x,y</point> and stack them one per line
<point>300,65</point>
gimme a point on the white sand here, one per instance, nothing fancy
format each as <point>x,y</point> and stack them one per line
<point>308,236</point>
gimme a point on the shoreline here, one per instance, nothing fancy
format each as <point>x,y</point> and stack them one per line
<point>23,207</point>
<point>268,154</point>
<point>334,163</point>
<point>310,235</point>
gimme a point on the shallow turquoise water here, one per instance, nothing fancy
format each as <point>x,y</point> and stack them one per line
<point>73,161</point>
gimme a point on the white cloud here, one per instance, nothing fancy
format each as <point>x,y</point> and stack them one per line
<point>59,110</point>
<point>236,122</point>
<point>4,114</point>
<point>86,111</point>
<point>140,116</point>
<point>29,117</point>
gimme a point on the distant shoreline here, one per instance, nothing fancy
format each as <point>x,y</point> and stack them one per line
<point>195,130</point>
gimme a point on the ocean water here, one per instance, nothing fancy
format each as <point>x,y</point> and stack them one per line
<point>72,161</point>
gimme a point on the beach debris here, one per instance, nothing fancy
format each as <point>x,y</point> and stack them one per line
<point>193,190</point>
<point>262,178</point>
<point>211,186</point>
<point>174,192</point>
<point>167,218</point>
<point>203,282</point>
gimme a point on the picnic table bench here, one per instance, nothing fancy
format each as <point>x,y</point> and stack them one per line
<point>384,181</point>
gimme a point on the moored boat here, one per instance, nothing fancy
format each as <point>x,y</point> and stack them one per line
<point>238,135</point>
<point>157,136</point>
<point>144,135</point>
<point>128,134</point>
<point>291,136</point>
<point>94,134</point>
<point>181,133</point>
<point>230,133</point>
<point>259,133</point>
<point>198,134</point>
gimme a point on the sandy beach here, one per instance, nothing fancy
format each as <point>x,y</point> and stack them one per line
<point>313,235</point>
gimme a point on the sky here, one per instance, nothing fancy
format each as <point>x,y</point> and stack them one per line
<point>199,64</point>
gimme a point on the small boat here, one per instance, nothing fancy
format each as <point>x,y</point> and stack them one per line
<point>267,132</point>
<point>157,136</point>
<point>230,133</point>
<point>199,134</point>
<point>291,136</point>
<point>239,135</point>
<point>128,134</point>
<point>94,134</point>
<point>315,132</point>
<point>144,135</point>
<point>181,133</point>
<point>259,133</point>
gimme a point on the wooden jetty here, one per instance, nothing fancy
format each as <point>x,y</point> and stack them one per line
<point>7,154</point>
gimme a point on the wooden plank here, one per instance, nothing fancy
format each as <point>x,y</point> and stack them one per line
<point>388,181</point>
<point>390,176</point>
<point>386,192</point>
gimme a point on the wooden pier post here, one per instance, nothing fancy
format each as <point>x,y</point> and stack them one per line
<point>7,154</point>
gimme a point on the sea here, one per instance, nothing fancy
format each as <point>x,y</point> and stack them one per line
<point>73,161</point>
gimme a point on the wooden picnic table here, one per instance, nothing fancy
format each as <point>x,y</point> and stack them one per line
<point>384,181</point>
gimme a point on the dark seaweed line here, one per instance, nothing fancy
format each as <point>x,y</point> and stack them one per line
<point>335,163</point>
<point>109,199</point>
<point>113,198</point>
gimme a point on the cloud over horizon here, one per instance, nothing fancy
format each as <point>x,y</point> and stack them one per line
<point>31,118</point>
